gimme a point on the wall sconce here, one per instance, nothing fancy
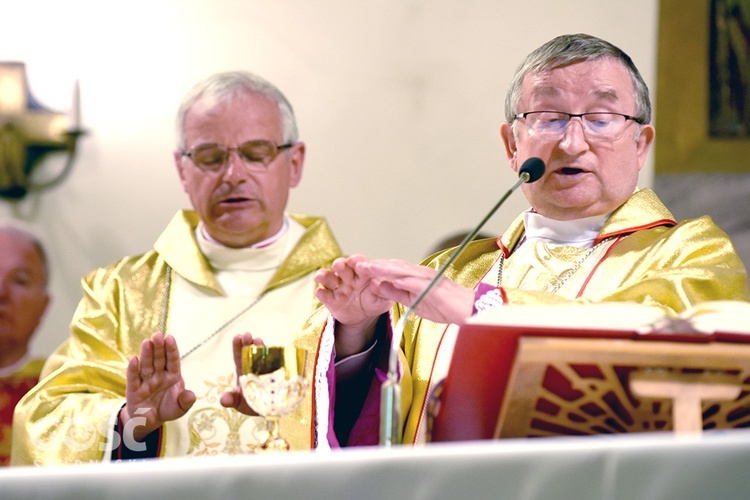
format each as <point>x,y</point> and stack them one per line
<point>29,133</point>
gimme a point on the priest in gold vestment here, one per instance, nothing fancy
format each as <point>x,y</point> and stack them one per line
<point>148,369</point>
<point>580,105</point>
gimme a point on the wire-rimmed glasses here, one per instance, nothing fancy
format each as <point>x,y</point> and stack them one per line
<point>601,126</point>
<point>257,154</point>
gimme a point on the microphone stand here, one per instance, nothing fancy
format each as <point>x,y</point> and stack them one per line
<point>390,395</point>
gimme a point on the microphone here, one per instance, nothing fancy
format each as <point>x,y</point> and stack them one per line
<point>531,171</point>
<point>390,396</point>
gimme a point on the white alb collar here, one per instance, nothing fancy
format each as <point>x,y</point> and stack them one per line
<point>579,233</point>
<point>265,254</point>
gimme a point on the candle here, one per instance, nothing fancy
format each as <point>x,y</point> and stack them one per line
<point>76,106</point>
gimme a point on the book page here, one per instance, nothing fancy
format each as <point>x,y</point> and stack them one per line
<point>622,316</point>
<point>726,316</point>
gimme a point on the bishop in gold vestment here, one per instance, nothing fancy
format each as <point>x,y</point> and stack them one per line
<point>644,256</point>
<point>641,254</point>
<point>579,106</point>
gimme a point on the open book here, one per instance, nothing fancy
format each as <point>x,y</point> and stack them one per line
<point>721,316</point>
<point>530,371</point>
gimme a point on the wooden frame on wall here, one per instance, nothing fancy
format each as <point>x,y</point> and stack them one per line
<point>683,143</point>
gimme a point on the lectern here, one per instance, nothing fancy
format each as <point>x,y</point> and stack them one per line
<point>510,381</point>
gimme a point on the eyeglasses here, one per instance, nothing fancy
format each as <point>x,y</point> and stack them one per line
<point>551,125</point>
<point>257,154</point>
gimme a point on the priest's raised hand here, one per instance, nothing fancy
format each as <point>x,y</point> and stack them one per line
<point>155,390</point>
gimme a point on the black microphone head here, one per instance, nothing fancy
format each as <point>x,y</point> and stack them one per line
<point>534,167</point>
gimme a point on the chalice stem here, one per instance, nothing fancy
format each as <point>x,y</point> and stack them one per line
<point>273,427</point>
<point>274,442</point>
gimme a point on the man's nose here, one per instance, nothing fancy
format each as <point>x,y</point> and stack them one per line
<point>235,165</point>
<point>574,138</point>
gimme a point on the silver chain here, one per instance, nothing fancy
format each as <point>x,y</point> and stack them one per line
<point>165,300</point>
<point>165,304</point>
<point>560,280</point>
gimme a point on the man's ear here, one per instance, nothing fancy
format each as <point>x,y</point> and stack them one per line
<point>297,163</point>
<point>177,156</point>
<point>645,140</point>
<point>509,139</point>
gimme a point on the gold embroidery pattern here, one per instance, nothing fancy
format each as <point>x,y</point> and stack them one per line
<point>217,430</point>
<point>557,258</point>
<point>548,266</point>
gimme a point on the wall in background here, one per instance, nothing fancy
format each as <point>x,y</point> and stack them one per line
<point>399,102</point>
<point>701,168</point>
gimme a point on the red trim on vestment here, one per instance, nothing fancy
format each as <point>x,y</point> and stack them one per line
<point>596,266</point>
<point>505,250</point>
<point>423,409</point>
<point>313,393</point>
<point>625,232</point>
<point>503,294</point>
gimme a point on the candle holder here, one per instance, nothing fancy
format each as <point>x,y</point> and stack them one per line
<point>29,133</point>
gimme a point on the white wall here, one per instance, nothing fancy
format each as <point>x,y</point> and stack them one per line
<point>399,102</point>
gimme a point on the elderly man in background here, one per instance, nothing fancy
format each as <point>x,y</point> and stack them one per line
<point>147,370</point>
<point>591,235</point>
<point>24,299</point>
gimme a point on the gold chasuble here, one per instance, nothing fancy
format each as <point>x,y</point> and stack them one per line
<point>640,255</point>
<point>70,414</point>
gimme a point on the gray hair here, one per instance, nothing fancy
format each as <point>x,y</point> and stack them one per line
<point>28,233</point>
<point>222,87</point>
<point>569,49</point>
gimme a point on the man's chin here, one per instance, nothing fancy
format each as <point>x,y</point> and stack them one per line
<point>239,234</point>
<point>238,220</point>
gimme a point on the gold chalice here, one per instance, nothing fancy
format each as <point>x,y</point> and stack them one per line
<point>273,383</point>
